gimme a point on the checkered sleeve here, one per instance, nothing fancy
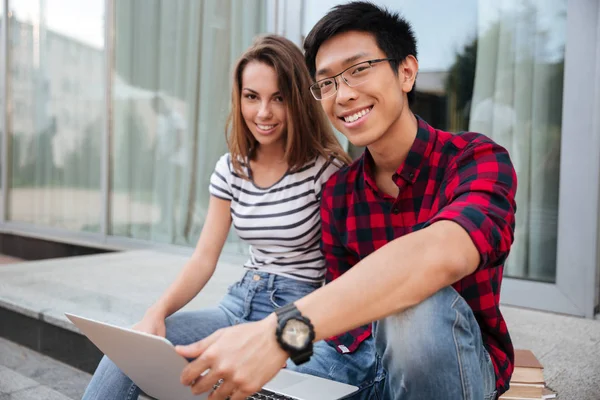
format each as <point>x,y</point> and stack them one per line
<point>480,192</point>
<point>336,256</point>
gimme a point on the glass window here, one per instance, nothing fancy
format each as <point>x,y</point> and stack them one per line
<point>2,104</point>
<point>171,95</point>
<point>496,67</point>
<point>55,177</point>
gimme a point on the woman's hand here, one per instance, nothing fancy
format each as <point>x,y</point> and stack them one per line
<point>152,323</point>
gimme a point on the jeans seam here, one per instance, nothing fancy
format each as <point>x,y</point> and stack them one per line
<point>248,303</point>
<point>460,366</point>
<point>493,395</point>
<point>231,316</point>
<point>131,392</point>
<point>488,359</point>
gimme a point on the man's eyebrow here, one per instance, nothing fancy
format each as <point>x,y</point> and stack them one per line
<point>349,60</point>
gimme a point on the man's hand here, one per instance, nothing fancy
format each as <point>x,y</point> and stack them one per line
<point>244,356</point>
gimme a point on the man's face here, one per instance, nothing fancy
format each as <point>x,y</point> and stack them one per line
<point>366,112</point>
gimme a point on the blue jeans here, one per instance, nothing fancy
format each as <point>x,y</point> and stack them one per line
<point>254,297</point>
<point>434,351</point>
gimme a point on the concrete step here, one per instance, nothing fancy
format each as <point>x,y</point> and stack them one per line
<point>26,374</point>
<point>116,288</point>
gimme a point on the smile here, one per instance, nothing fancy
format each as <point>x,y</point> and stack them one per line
<point>266,127</point>
<point>357,115</point>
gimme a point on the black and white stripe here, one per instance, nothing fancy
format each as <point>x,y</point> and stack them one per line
<point>281,223</point>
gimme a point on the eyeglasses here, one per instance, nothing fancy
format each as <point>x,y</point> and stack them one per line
<point>353,76</point>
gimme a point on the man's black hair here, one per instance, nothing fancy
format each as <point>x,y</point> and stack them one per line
<point>393,33</point>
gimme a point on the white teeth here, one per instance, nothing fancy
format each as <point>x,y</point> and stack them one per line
<point>266,127</point>
<point>354,117</point>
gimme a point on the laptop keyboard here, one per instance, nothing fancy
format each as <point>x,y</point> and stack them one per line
<point>267,395</point>
<point>262,395</point>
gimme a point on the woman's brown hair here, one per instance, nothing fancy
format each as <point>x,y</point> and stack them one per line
<point>308,131</point>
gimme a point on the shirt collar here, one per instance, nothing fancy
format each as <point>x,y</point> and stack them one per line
<point>416,159</point>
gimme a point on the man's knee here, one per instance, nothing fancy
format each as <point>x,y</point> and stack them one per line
<point>424,333</point>
<point>436,344</point>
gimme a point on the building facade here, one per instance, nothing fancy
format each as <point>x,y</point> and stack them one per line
<point>113,116</point>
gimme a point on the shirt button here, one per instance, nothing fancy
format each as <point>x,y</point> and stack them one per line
<point>411,175</point>
<point>395,210</point>
<point>256,277</point>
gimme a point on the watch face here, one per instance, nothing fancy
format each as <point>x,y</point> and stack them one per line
<point>295,333</point>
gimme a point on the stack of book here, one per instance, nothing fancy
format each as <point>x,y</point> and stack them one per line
<point>527,381</point>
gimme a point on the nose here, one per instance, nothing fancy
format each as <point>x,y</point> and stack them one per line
<point>264,112</point>
<point>344,92</point>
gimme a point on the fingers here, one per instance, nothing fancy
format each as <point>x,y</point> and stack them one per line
<point>228,355</point>
<point>194,350</point>
<point>205,359</point>
<point>206,383</point>
<point>192,373</point>
<point>224,391</point>
<point>227,391</point>
<point>232,389</point>
<point>225,383</point>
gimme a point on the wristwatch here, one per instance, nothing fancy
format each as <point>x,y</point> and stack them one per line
<point>295,333</point>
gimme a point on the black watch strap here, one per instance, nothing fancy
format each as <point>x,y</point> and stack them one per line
<point>287,311</point>
<point>301,358</point>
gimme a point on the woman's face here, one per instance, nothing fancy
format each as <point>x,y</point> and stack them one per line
<point>263,107</point>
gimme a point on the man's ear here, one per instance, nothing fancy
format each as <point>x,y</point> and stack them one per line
<point>407,72</point>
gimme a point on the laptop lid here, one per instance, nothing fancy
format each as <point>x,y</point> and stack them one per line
<point>150,361</point>
<point>154,365</point>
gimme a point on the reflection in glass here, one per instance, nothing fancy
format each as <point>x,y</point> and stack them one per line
<point>498,70</point>
<point>2,92</point>
<point>171,95</point>
<point>57,95</point>
<point>517,100</point>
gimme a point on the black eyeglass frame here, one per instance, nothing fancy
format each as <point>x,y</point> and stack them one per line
<point>315,86</point>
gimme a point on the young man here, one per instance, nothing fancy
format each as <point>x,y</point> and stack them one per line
<point>415,233</point>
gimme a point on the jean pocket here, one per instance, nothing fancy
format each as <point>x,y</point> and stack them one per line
<point>281,296</point>
<point>274,301</point>
<point>277,301</point>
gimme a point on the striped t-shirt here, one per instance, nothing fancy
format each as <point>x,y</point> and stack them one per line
<point>281,223</point>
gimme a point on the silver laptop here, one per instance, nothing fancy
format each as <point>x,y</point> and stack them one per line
<point>155,367</point>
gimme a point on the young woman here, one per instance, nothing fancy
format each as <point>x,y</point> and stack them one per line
<point>281,152</point>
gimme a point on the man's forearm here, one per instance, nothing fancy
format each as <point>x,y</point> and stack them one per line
<point>397,276</point>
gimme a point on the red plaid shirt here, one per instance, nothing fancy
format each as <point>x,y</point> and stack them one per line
<point>465,178</point>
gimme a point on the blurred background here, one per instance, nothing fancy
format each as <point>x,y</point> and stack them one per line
<point>112,117</point>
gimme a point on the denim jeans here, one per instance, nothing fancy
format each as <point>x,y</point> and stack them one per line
<point>434,350</point>
<point>254,297</point>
